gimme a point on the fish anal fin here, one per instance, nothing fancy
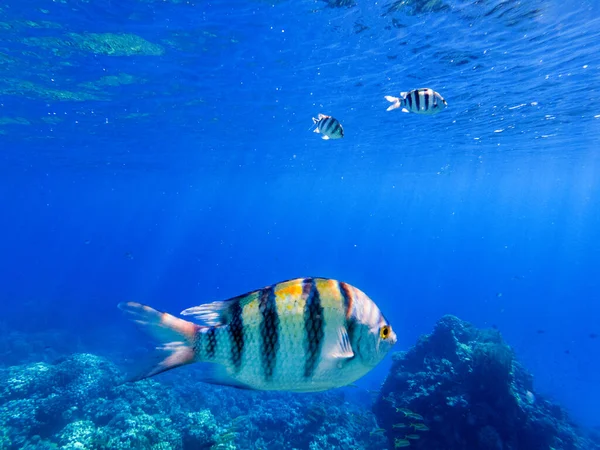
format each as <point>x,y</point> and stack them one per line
<point>180,355</point>
<point>405,110</point>
<point>217,374</point>
<point>325,137</point>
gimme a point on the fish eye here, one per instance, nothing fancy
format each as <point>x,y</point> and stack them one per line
<point>384,332</point>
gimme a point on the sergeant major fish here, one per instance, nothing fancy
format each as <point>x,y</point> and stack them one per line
<point>419,101</point>
<point>302,335</point>
<point>329,127</point>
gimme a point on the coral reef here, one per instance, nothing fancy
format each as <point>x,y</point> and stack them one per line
<point>78,403</point>
<point>81,402</point>
<point>462,388</point>
<point>457,388</point>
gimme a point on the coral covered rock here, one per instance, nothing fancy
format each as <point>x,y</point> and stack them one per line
<point>461,388</point>
<point>81,402</point>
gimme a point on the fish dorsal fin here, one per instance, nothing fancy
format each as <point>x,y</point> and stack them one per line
<point>212,314</point>
<point>217,314</point>
<point>342,348</point>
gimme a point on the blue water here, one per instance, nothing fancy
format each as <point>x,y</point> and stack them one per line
<point>190,173</point>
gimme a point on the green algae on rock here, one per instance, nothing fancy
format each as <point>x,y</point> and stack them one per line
<point>14,121</point>
<point>116,44</point>
<point>120,79</point>
<point>109,44</point>
<point>35,91</point>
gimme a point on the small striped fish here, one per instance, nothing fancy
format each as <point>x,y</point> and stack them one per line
<point>419,101</point>
<point>302,335</point>
<point>329,127</point>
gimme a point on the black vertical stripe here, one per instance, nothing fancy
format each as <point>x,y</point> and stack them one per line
<point>314,326</point>
<point>236,332</point>
<point>426,97</point>
<point>269,331</point>
<point>198,344</point>
<point>417,100</point>
<point>409,98</point>
<point>328,125</point>
<point>211,342</point>
<point>321,125</point>
<point>346,297</point>
<point>348,305</point>
<point>337,128</point>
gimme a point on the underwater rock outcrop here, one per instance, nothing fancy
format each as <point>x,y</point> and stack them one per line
<point>461,388</point>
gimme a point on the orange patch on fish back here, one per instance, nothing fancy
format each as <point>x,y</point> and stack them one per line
<point>329,293</point>
<point>291,288</point>
<point>289,298</point>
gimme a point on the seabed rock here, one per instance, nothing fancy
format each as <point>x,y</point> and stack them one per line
<point>461,388</point>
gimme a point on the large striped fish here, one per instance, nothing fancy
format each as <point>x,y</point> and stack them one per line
<point>419,101</point>
<point>303,335</point>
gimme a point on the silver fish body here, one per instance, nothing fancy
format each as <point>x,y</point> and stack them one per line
<point>418,101</point>
<point>302,335</point>
<point>329,127</point>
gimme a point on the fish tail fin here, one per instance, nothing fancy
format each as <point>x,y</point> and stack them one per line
<point>176,337</point>
<point>396,102</point>
<point>312,127</point>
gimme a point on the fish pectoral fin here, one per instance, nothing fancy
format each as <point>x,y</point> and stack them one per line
<point>405,110</point>
<point>316,130</point>
<point>343,348</point>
